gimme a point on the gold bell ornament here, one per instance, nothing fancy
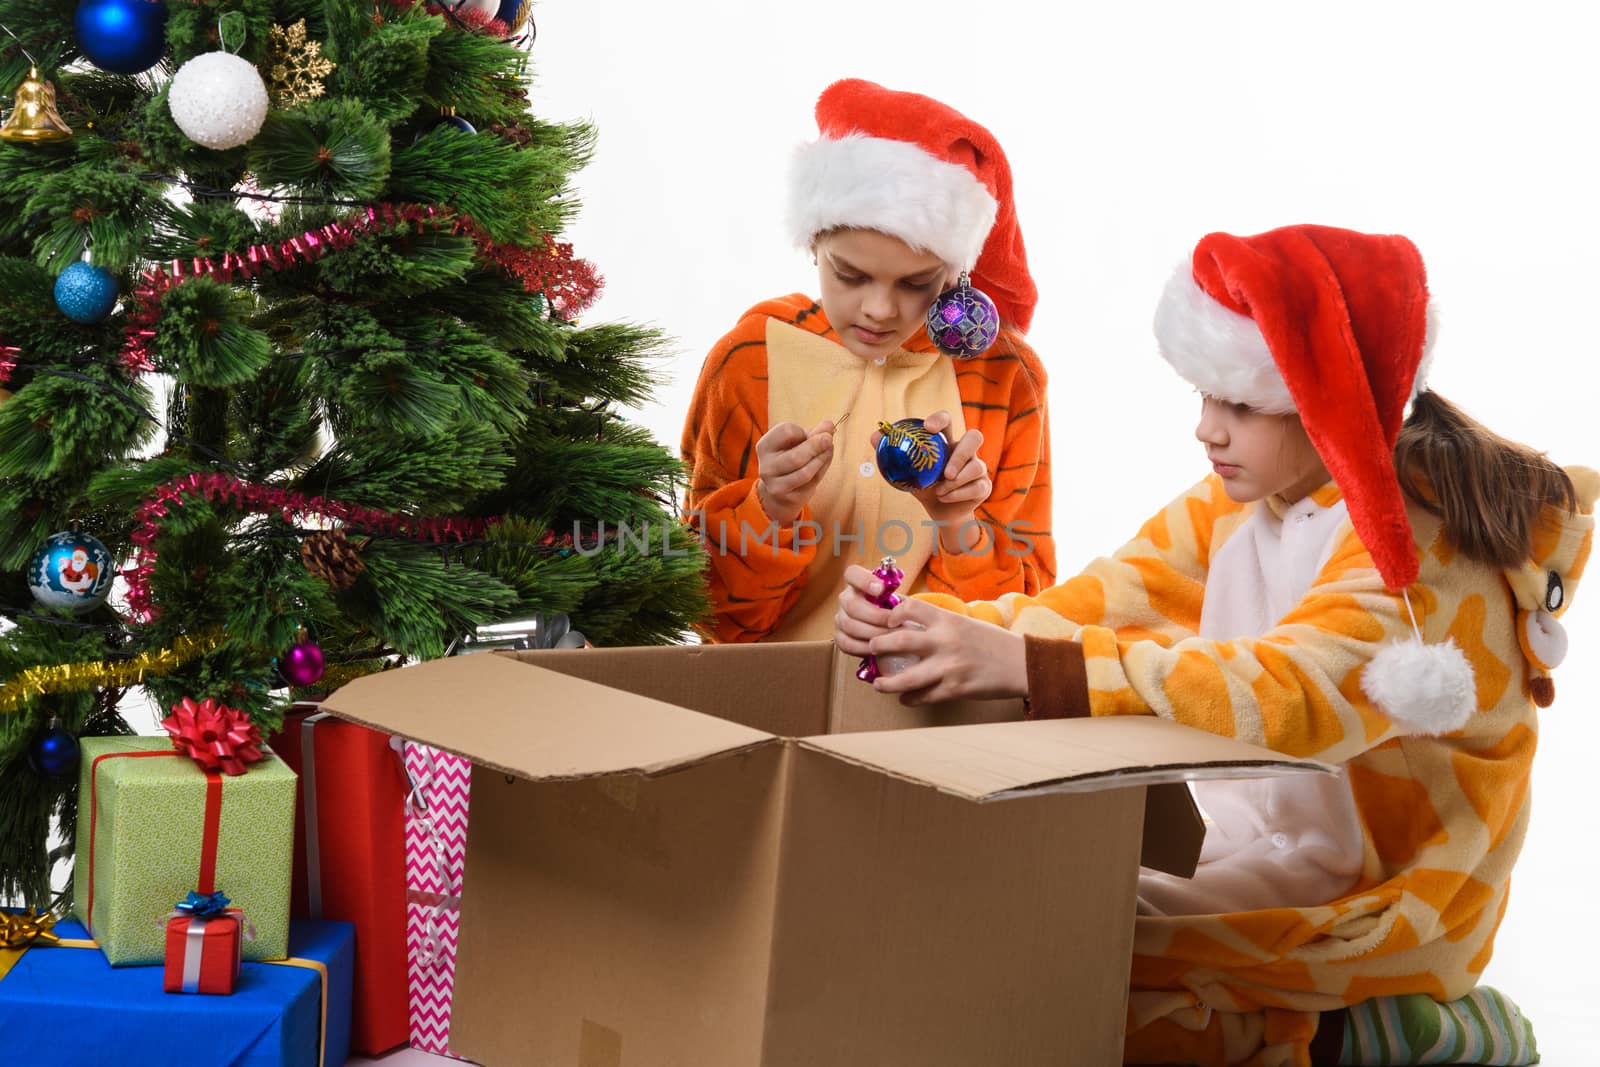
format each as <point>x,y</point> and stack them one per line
<point>33,120</point>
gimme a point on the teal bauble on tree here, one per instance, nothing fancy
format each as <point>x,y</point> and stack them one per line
<point>72,571</point>
<point>122,36</point>
<point>85,293</point>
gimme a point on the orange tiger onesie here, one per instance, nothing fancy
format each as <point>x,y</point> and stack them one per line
<point>783,363</point>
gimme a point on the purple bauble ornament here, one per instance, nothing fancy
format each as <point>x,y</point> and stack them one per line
<point>891,576</point>
<point>302,664</point>
<point>963,322</point>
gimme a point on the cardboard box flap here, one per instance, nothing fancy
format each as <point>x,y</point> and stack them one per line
<point>992,761</point>
<point>1173,829</point>
<point>535,723</point>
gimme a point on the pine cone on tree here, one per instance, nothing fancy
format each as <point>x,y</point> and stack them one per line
<point>333,557</point>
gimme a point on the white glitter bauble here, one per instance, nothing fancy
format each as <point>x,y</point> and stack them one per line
<point>218,100</point>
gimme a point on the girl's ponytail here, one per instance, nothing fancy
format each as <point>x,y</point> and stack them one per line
<point>1488,491</point>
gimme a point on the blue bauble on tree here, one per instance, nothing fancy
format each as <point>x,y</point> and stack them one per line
<point>86,293</point>
<point>72,571</point>
<point>54,753</point>
<point>122,36</point>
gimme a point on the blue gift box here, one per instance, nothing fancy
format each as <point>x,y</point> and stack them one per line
<point>68,1007</point>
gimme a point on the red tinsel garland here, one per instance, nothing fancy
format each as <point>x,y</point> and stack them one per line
<point>549,269</point>
<point>264,498</point>
<point>308,247</point>
<point>569,285</point>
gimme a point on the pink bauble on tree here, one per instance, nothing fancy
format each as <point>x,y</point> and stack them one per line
<point>302,664</point>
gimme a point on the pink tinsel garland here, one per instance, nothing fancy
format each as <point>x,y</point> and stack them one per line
<point>569,284</point>
<point>263,498</point>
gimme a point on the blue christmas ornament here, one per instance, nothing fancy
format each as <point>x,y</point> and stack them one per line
<point>963,322</point>
<point>55,753</point>
<point>72,571</point>
<point>514,13</point>
<point>85,293</point>
<point>910,456</point>
<point>122,36</point>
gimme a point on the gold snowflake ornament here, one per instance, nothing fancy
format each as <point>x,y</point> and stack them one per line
<point>294,66</point>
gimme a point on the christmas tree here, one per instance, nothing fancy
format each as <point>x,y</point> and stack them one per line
<point>288,344</point>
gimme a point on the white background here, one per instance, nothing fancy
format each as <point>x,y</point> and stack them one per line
<point>1133,129</point>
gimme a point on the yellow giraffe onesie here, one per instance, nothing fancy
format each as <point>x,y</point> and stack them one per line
<point>1441,818</point>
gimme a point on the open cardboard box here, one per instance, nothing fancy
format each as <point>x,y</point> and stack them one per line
<point>740,855</point>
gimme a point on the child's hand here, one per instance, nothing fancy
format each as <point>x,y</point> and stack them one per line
<point>859,620</point>
<point>790,465</point>
<point>961,658</point>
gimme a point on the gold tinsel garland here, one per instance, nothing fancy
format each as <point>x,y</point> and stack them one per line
<point>70,677</point>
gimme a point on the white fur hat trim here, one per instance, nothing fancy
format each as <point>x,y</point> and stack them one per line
<point>893,187</point>
<point>1223,354</point>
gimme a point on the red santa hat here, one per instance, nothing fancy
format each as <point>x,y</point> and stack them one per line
<point>1326,323</point>
<point>908,166</point>
<point>1334,326</point>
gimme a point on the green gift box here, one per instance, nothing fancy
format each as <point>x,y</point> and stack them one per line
<point>142,809</point>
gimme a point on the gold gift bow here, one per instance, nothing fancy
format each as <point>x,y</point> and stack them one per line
<point>20,931</point>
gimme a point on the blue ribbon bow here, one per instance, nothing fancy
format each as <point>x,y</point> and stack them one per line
<point>202,905</point>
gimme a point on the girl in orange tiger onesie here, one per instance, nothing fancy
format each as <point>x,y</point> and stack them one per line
<point>1377,592</point>
<point>898,196</point>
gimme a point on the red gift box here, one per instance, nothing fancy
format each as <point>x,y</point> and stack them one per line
<point>350,860</point>
<point>202,954</point>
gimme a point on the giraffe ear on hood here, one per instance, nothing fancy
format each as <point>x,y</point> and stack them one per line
<point>1543,586</point>
<point>1544,644</point>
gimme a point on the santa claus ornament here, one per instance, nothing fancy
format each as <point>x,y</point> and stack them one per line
<point>72,572</point>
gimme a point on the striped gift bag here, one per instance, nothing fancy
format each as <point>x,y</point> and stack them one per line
<point>436,858</point>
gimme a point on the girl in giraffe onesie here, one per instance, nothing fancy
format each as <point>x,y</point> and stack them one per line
<point>897,197</point>
<point>1373,589</point>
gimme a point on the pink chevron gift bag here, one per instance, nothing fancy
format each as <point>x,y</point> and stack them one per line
<point>436,858</point>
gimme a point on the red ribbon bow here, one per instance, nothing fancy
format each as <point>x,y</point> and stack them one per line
<point>215,736</point>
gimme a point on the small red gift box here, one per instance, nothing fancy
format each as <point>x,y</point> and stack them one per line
<point>202,954</point>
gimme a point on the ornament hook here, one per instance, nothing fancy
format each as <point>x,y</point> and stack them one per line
<point>20,46</point>
<point>231,21</point>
